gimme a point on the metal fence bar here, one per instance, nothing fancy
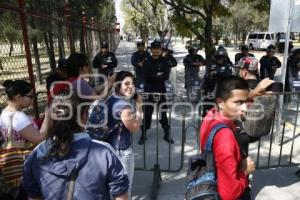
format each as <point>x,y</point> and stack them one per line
<point>28,53</point>
<point>294,131</point>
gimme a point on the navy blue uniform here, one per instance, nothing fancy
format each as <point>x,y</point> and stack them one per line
<point>266,66</point>
<point>109,60</point>
<point>191,70</point>
<point>136,58</point>
<point>156,73</point>
<point>171,61</point>
<point>213,73</point>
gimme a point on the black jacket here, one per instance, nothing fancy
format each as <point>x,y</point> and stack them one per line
<point>213,73</point>
<point>135,59</point>
<point>108,59</point>
<point>266,64</point>
<point>171,61</point>
<point>156,73</point>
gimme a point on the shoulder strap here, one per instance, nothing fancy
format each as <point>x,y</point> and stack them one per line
<point>215,129</point>
<point>71,186</point>
<point>210,161</point>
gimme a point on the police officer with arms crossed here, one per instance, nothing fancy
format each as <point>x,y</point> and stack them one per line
<point>192,62</point>
<point>156,73</point>
<point>137,60</point>
<point>105,61</point>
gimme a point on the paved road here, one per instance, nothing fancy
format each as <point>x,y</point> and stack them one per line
<point>268,184</point>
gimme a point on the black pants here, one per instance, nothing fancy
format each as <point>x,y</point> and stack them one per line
<point>149,105</point>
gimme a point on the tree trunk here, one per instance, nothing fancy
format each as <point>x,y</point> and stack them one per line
<point>48,49</point>
<point>52,52</point>
<point>236,34</point>
<point>1,67</point>
<point>82,46</point>
<point>37,59</point>
<point>208,42</point>
<point>61,46</point>
<point>11,48</point>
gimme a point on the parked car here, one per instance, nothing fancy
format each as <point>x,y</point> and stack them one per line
<point>261,40</point>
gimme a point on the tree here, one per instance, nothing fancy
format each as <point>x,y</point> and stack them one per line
<point>197,17</point>
<point>10,29</point>
<point>135,22</point>
<point>245,16</point>
<point>154,15</point>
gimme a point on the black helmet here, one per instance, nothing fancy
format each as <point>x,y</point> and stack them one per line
<point>271,48</point>
<point>155,44</point>
<point>244,48</point>
<point>140,44</point>
<point>221,52</point>
<point>193,48</point>
<point>221,47</point>
<point>104,45</point>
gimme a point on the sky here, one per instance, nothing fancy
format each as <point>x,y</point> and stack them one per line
<point>119,14</point>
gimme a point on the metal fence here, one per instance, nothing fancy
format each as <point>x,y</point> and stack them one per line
<point>33,42</point>
<point>156,154</point>
<point>281,147</point>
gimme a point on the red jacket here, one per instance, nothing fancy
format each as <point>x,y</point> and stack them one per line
<point>231,181</point>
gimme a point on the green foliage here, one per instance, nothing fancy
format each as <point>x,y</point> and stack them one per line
<point>9,27</point>
<point>152,14</point>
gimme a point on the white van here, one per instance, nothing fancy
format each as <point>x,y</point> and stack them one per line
<point>260,40</point>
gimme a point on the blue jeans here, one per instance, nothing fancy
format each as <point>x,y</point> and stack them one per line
<point>127,159</point>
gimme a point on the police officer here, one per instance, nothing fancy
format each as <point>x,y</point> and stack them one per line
<point>217,68</point>
<point>168,55</point>
<point>105,61</point>
<point>192,62</point>
<point>293,68</point>
<point>244,53</point>
<point>137,60</point>
<point>156,73</point>
<point>269,63</point>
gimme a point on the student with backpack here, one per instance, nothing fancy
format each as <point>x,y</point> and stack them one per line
<point>232,94</point>
<point>69,164</point>
<point>122,117</point>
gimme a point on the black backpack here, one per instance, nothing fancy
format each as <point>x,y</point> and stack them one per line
<point>202,182</point>
<point>96,125</point>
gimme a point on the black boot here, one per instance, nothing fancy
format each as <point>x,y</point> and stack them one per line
<point>143,137</point>
<point>167,136</point>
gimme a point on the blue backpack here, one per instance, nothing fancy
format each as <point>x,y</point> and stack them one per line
<point>96,125</point>
<point>202,182</point>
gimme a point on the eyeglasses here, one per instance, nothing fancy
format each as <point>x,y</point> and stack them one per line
<point>29,96</point>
